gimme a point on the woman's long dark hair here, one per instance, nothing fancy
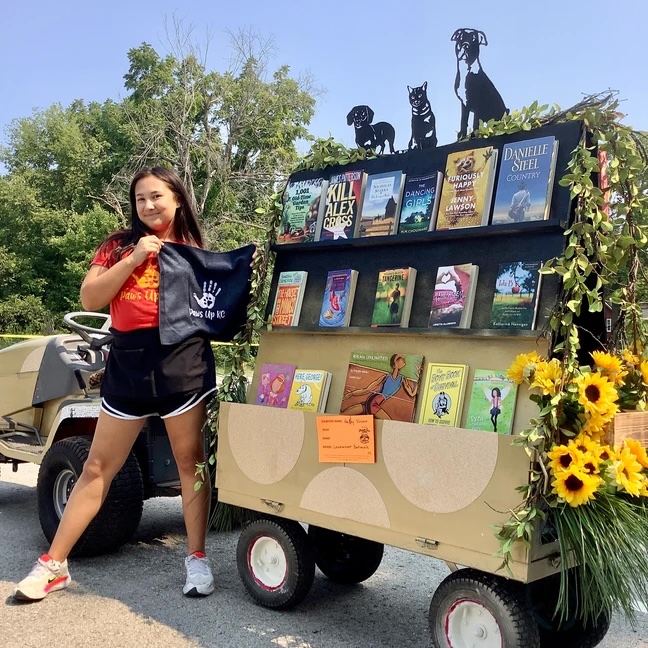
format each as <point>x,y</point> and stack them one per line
<point>185,223</point>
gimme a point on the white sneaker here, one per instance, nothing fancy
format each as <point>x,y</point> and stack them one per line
<point>46,576</point>
<point>200,581</point>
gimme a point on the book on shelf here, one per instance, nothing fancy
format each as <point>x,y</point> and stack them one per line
<point>303,205</point>
<point>442,394</point>
<point>385,385</point>
<point>467,190</point>
<point>454,295</point>
<point>381,203</point>
<point>275,382</point>
<point>515,298</point>
<point>339,294</point>
<point>289,297</point>
<point>492,402</point>
<point>394,294</point>
<point>342,206</point>
<point>310,389</point>
<point>420,204</point>
<point>526,181</point>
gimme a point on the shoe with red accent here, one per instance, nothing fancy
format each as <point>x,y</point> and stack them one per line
<point>200,581</point>
<point>46,576</point>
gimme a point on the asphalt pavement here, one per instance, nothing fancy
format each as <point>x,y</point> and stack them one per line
<point>134,597</point>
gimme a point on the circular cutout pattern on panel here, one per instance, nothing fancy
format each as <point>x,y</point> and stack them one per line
<point>265,442</point>
<point>439,470</point>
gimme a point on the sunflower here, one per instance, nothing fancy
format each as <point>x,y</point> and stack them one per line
<point>563,457</point>
<point>523,367</point>
<point>597,395</point>
<point>626,472</point>
<point>643,491</point>
<point>547,377</point>
<point>593,426</point>
<point>643,367</point>
<point>606,453</point>
<point>631,359</point>
<point>610,366</point>
<point>638,451</point>
<point>575,486</point>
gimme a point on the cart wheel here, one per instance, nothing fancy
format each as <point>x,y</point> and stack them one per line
<point>572,632</point>
<point>344,558</point>
<point>472,608</point>
<point>275,562</point>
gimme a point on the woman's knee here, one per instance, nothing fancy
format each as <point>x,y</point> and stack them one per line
<point>98,468</point>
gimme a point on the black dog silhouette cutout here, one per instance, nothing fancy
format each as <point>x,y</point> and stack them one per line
<point>423,119</point>
<point>368,135</point>
<point>472,86</point>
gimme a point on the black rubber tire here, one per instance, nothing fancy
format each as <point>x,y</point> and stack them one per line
<point>121,512</point>
<point>293,546</point>
<point>345,558</point>
<point>574,632</point>
<point>504,600</point>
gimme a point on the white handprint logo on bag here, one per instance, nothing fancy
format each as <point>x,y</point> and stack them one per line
<point>208,301</point>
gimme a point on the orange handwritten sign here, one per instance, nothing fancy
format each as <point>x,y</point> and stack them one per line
<point>346,439</point>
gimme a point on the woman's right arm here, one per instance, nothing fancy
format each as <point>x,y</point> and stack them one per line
<point>101,284</point>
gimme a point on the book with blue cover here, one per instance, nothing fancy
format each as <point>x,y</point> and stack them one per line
<point>420,203</point>
<point>337,302</point>
<point>526,181</point>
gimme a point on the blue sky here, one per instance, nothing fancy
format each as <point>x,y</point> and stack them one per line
<point>552,51</point>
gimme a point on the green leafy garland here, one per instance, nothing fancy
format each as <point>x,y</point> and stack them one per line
<point>601,251</point>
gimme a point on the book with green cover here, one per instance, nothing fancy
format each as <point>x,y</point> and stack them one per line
<point>492,402</point>
<point>394,294</point>
<point>443,394</point>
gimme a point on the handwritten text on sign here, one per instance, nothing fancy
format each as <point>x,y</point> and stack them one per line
<point>346,439</point>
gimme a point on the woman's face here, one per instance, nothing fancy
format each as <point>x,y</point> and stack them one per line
<point>156,205</point>
<point>399,362</point>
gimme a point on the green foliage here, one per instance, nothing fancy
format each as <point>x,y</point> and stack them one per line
<point>25,315</point>
<point>328,152</point>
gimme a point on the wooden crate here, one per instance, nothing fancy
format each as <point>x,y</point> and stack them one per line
<point>630,425</point>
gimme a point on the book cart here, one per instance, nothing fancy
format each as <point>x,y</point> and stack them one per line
<point>432,490</point>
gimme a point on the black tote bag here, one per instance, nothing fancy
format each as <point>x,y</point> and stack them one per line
<point>203,292</point>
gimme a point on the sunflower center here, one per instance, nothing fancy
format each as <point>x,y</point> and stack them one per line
<point>565,460</point>
<point>589,467</point>
<point>573,483</point>
<point>592,393</point>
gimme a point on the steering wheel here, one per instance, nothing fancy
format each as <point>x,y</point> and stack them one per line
<point>95,337</point>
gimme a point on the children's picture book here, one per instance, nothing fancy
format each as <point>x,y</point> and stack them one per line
<point>381,203</point>
<point>454,295</point>
<point>289,297</point>
<point>420,204</point>
<point>342,206</point>
<point>303,204</point>
<point>515,300</point>
<point>310,390</point>
<point>492,402</point>
<point>385,385</point>
<point>442,394</point>
<point>526,181</point>
<point>394,293</point>
<point>337,302</point>
<point>467,189</point>
<point>275,383</point>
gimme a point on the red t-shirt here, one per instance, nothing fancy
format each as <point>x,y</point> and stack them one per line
<point>135,306</point>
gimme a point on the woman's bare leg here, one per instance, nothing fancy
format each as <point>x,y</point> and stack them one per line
<point>112,442</point>
<point>188,444</point>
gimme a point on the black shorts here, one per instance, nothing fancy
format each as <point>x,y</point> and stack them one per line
<point>144,377</point>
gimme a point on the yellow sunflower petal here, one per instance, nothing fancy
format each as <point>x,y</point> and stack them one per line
<point>575,486</point>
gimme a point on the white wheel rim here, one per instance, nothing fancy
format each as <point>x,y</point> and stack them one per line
<point>469,624</point>
<point>63,485</point>
<point>267,563</point>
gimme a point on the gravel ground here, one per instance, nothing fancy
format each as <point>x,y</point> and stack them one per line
<point>134,597</point>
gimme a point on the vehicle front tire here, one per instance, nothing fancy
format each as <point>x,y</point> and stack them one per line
<point>275,562</point>
<point>345,558</point>
<point>120,513</point>
<point>473,608</point>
